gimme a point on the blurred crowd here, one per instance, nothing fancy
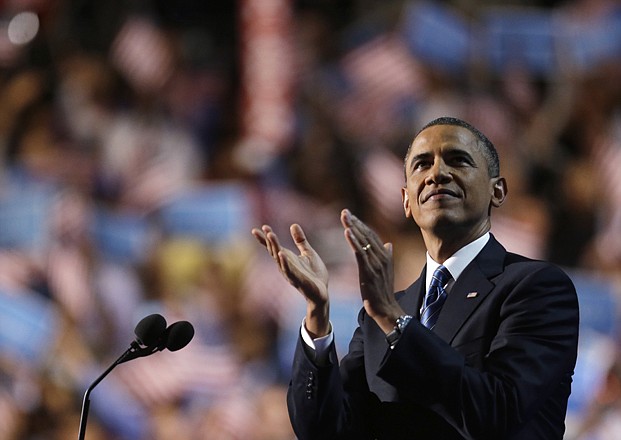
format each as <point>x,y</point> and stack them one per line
<point>141,140</point>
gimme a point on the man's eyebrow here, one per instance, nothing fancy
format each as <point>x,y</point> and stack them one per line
<point>450,151</point>
<point>420,156</point>
<point>456,151</point>
<point>467,151</point>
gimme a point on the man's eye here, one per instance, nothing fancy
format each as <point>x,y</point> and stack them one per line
<point>461,160</point>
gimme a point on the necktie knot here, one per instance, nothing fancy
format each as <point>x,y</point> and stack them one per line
<point>435,297</point>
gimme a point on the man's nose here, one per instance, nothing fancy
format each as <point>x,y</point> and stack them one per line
<point>438,173</point>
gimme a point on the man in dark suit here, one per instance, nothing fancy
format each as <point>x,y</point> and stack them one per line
<point>487,353</point>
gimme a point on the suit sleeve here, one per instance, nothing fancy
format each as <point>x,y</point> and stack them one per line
<point>328,401</point>
<point>531,353</point>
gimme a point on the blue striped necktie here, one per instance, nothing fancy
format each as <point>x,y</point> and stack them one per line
<point>436,295</point>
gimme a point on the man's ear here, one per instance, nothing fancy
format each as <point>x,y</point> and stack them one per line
<point>499,191</point>
<point>405,198</point>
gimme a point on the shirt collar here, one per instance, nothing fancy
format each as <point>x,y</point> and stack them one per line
<point>457,262</point>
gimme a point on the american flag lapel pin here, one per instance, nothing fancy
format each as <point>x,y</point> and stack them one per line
<point>472,295</point>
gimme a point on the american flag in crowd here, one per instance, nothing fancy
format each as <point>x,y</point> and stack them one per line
<point>383,176</point>
<point>266,292</point>
<point>266,54</point>
<point>232,418</point>
<point>197,369</point>
<point>382,75</point>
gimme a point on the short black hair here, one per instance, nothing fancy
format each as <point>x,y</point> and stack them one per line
<point>487,147</point>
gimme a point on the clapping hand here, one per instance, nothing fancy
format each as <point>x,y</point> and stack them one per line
<point>306,272</point>
<point>375,271</point>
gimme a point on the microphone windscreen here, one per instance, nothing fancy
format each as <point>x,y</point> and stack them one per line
<point>179,335</point>
<point>150,329</point>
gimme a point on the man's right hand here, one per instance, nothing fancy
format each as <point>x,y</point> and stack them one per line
<point>306,272</point>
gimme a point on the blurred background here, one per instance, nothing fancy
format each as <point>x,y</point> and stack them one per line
<point>141,140</point>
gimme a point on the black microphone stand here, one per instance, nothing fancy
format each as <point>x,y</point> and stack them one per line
<point>135,351</point>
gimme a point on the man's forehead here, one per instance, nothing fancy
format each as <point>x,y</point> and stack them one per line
<point>430,142</point>
<point>445,136</point>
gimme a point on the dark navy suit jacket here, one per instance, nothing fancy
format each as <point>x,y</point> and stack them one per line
<point>498,364</point>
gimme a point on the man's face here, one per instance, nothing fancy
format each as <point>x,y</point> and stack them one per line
<point>448,186</point>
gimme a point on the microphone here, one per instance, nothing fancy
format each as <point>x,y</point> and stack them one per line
<point>152,335</point>
<point>177,335</point>
<point>149,329</point>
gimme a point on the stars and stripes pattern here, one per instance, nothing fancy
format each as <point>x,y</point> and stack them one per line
<point>198,369</point>
<point>382,77</point>
<point>382,175</point>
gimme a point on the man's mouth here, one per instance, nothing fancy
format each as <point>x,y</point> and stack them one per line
<point>439,194</point>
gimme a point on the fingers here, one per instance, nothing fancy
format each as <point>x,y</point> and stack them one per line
<point>299,238</point>
<point>297,233</point>
<point>258,234</point>
<point>272,243</point>
<point>269,239</point>
<point>362,239</point>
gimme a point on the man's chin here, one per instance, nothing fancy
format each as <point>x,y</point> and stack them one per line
<point>439,218</point>
<point>443,225</point>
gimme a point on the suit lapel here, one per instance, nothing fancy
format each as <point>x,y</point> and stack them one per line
<point>470,290</point>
